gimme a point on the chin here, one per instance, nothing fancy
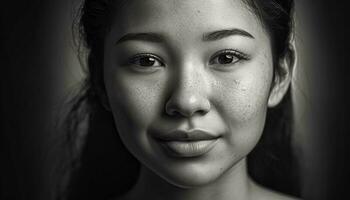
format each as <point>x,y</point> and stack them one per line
<point>191,177</point>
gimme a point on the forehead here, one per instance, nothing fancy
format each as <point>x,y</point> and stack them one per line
<point>184,18</point>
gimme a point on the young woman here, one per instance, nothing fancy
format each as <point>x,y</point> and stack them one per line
<point>199,91</point>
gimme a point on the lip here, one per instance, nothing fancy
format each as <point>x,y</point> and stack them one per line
<point>191,135</point>
<point>191,143</point>
<point>188,148</point>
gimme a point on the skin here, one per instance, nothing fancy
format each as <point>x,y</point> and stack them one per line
<point>186,86</point>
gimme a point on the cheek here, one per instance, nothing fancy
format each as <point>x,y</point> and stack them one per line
<point>135,102</point>
<point>245,95</point>
<point>243,103</point>
<point>249,96</point>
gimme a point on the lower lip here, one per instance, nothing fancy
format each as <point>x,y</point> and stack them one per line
<point>188,148</point>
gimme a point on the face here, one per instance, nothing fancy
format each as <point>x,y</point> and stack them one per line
<point>188,83</point>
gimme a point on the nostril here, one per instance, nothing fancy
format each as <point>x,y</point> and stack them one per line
<point>174,113</point>
<point>174,110</point>
<point>202,112</point>
<point>187,108</point>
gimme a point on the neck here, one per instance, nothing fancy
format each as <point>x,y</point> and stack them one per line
<point>233,184</point>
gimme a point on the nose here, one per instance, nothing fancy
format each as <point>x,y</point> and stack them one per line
<point>189,95</point>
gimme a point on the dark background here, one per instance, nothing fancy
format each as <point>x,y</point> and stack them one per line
<point>38,65</point>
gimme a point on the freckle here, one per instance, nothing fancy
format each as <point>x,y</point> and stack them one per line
<point>236,82</point>
<point>198,11</point>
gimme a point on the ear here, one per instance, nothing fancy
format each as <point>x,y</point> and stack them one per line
<point>283,76</point>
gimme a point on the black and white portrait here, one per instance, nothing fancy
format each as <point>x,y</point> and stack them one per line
<point>174,99</point>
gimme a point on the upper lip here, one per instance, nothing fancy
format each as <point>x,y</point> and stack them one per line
<point>191,135</point>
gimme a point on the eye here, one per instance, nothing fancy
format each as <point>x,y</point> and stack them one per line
<point>146,60</point>
<point>227,57</point>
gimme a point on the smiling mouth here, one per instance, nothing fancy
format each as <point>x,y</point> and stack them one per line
<point>187,143</point>
<point>188,148</point>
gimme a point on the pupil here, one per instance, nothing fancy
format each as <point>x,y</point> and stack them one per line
<point>147,61</point>
<point>225,59</point>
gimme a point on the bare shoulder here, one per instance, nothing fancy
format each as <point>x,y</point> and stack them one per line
<point>263,193</point>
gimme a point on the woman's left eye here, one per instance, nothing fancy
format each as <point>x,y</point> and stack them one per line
<point>227,57</point>
<point>146,61</point>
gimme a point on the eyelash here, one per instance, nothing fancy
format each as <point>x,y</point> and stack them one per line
<point>133,60</point>
<point>237,54</point>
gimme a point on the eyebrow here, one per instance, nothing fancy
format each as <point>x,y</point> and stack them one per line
<point>157,38</point>
<point>149,37</point>
<point>217,35</point>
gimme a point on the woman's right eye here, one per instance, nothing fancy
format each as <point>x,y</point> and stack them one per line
<point>146,60</point>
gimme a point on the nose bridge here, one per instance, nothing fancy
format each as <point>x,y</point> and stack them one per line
<point>189,79</point>
<point>190,91</point>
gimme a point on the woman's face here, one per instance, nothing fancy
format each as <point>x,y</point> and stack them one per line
<point>188,83</point>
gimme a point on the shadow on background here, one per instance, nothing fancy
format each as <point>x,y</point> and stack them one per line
<point>38,65</point>
<point>102,174</point>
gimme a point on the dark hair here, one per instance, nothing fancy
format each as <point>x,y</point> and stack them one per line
<point>270,161</point>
